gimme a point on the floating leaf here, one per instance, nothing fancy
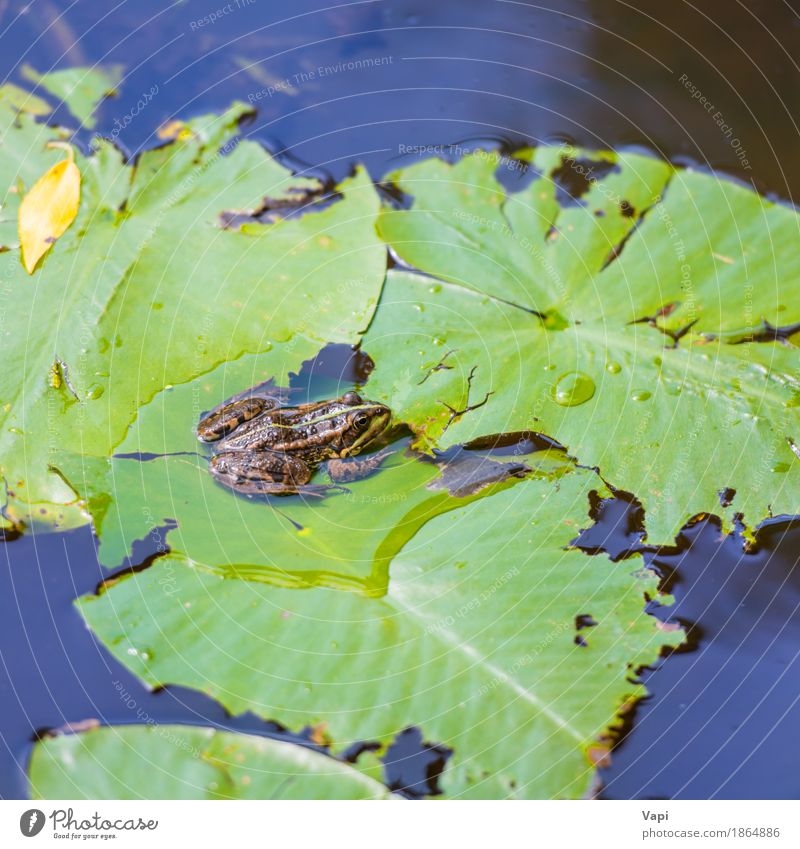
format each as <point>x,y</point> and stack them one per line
<point>176,762</point>
<point>158,477</point>
<point>48,209</point>
<point>471,636</point>
<point>81,89</point>
<point>603,324</point>
<point>643,240</point>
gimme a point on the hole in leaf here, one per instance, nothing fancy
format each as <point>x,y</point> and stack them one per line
<point>574,178</point>
<point>413,766</point>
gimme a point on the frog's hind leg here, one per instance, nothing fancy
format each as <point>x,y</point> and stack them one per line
<point>265,473</point>
<point>228,417</point>
<point>354,468</point>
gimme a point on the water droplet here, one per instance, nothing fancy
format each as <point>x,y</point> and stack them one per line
<point>434,288</point>
<point>267,346</point>
<point>780,468</point>
<point>613,368</point>
<point>549,367</point>
<point>439,340</point>
<point>419,307</point>
<point>103,344</point>
<point>657,362</point>
<point>641,395</point>
<point>573,388</point>
<point>94,391</point>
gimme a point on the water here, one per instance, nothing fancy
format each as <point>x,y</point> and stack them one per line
<point>721,718</point>
<point>722,706</point>
<point>383,83</point>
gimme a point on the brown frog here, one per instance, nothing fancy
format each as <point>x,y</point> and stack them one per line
<point>263,447</point>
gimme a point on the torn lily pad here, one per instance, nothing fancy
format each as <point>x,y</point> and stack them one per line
<point>611,332</point>
<point>470,637</point>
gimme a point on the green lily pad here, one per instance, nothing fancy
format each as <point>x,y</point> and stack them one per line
<point>532,321</point>
<point>644,240</point>
<point>81,89</point>
<point>159,476</point>
<point>148,289</point>
<point>177,762</point>
<point>470,635</point>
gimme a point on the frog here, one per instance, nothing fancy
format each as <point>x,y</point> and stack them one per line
<point>264,447</point>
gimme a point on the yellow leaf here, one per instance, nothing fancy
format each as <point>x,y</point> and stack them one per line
<point>174,130</point>
<point>48,209</point>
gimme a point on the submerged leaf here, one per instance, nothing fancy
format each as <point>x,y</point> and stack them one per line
<point>81,89</point>
<point>48,209</point>
<point>23,100</point>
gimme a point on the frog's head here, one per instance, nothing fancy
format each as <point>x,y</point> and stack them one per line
<point>366,420</point>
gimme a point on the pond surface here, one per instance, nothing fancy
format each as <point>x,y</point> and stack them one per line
<point>382,83</point>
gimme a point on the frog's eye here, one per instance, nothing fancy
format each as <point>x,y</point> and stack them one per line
<point>361,421</point>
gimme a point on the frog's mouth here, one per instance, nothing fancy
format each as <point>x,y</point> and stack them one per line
<point>378,423</point>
